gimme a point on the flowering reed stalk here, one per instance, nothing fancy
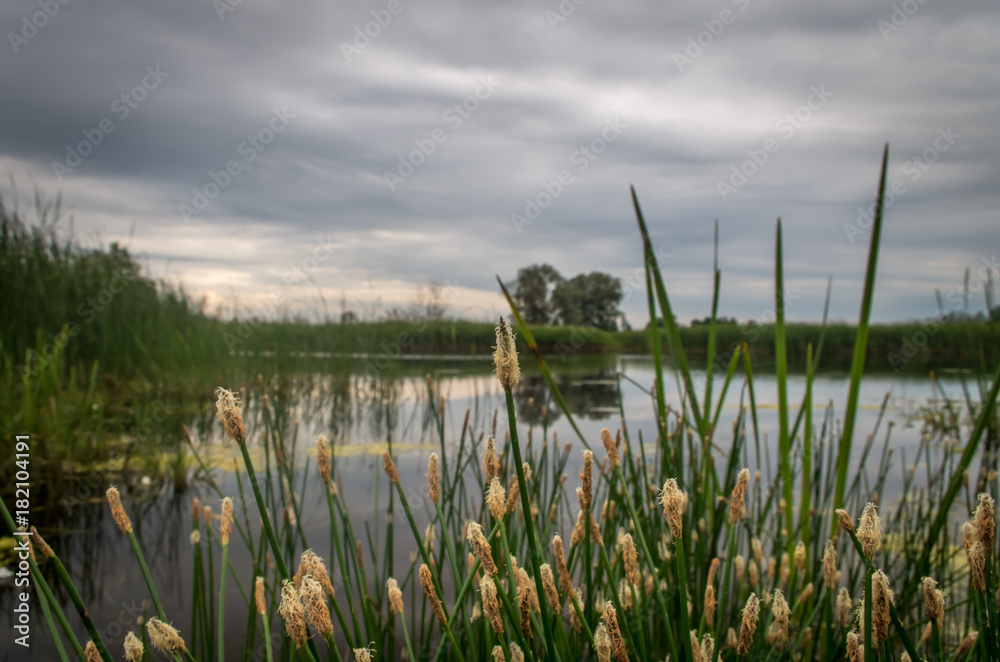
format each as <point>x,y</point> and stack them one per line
<point>231,417</point>
<point>390,470</point>
<point>260,603</point>
<point>225,529</point>
<point>508,373</point>
<point>125,524</point>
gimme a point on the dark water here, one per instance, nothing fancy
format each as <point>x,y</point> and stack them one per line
<point>360,419</point>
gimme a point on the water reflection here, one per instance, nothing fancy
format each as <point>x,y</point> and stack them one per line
<point>399,405</point>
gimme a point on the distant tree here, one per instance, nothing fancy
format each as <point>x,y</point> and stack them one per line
<point>532,291</point>
<point>589,300</point>
<point>708,320</point>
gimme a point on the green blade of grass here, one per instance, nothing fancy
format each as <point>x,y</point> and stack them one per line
<point>781,375</point>
<point>670,324</point>
<point>860,345</point>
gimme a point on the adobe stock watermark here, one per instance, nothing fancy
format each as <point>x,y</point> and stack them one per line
<point>223,7</point>
<point>714,28</point>
<point>122,107</point>
<point>249,148</point>
<point>30,25</point>
<point>899,16</point>
<point>453,116</point>
<point>580,159</point>
<point>913,169</point>
<point>785,127</point>
<point>911,345</point>
<point>363,35</point>
<point>565,9</point>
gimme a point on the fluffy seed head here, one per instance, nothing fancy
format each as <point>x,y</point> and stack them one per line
<point>881,596</point>
<point>707,647</point>
<point>751,612</point>
<point>695,648</point>
<point>323,464</point>
<point>846,521</point>
<point>133,648</point>
<point>781,612</point>
<point>498,654</point>
<point>390,467</point>
<point>602,643</point>
<point>524,606</point>
<point>966,644</point>
<point>226,526</point>
<point>713,569</point>
<point>395,596</point>
<point>90,652</point>
<point>505,357</point>
<point>565,581</point>
<point>516,654</point>
<point>491,464</point>
<point>433,478</point>
<point>513,496</point>
<point>740,564</point>
<point>969,535</point>
<point>870,531</point>
<point>579,530</point>
<point>845,606</point>
<point>40,544</point>
<point>985,524</point>
<point>363,654</point>
<point>258,596</point>
<point>758,551</point>
<point>164,637</point>
<point>800,556</point>
<point>630,556</point>
<point>316,609</point>
<point>610,618</point>
<point>710,604</point>
<point>117,511</point>
<point>934,601</point>
<point>481,547</point>
<point>229,414</point>
<point>831,575</point>
<point>739,495</point>
<point>673,501</point>
<point>855,651</point>
<point>587,480</point>
<point>195,538</point>
<point>496,498</point>
<point>427,583</point>
<point>549,584</point>
<point>491,607</point>
<point>293,613</point>
<point>610,447</point>
<point>977,566</point>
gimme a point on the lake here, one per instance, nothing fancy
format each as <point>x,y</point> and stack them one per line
<point>363,416</point>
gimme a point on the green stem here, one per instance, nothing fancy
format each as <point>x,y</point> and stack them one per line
<point>529,527</point>
<point>222,602</point>
<point>268,530</point>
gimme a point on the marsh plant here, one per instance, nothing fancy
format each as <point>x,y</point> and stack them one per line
<point>665,545</point>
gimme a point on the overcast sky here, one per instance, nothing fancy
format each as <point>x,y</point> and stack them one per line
<point>378,146</point>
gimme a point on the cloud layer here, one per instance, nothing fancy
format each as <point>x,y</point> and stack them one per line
<point>382,145</point>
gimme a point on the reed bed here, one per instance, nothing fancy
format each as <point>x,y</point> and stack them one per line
<point>664,546</point>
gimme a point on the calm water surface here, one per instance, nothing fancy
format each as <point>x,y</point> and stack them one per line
<point>360,419</point>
